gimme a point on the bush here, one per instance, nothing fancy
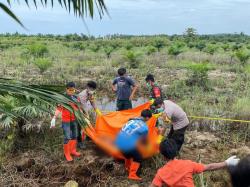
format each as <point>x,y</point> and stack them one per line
<point>159,44</point>
<point>133,59</point>
<point>108,50</point>
<point>38,50</point>
<point>79,46</point>
<point>198,76</point>
<point>200,45</point>
<point>225,47</point>
<point>94,47</point>
<point>128,46</point>
<point>243,56</point>
<point>211,49</point>
<point>43,64</point>
<point>176,49</point>
<point>150,50</point>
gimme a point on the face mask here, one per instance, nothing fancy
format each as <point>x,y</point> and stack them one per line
<point>159,110</point>
<point>148,85</point>
<point>71,91</point>
<point>91,92</point>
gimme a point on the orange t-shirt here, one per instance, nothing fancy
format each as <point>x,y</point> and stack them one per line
<point>178,173</point>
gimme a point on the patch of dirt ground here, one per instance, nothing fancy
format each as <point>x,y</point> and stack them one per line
<point>94,168</point>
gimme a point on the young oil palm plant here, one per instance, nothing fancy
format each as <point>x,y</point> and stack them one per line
<point>20,102</point>
<point>24,108</point>
<point>12,92</point>
<point>80,8</point>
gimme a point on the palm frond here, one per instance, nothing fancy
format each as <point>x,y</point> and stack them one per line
<point>47,97</point>
<point>6,120</point>
<point>10,13</point>
<point>80,8</point>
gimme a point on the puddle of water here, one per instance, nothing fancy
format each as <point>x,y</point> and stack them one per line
<point>105,104</point>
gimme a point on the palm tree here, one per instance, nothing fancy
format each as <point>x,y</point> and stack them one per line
<point>80,8</point>
<point>16,91</point>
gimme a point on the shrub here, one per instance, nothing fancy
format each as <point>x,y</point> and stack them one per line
<point>38,50</point>
<point>128,46</point>
<point>211,49</point>
<point>243,56</point>
<point>94,47</point>
<point>198,76</point>
<point>176,49</point>
<point>200,46</point>
<point>108,50</point>
<point>43,64</point>
<point>150,50</point>
<point>236,47</point>
<point>159,44</point>
<point>225,47</point>
<point>79,46</point>
<point>133,59</point>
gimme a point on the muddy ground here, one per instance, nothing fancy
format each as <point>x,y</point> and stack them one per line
<point>37,167</point>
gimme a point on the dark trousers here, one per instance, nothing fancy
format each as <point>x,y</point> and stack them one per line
<point>123,104</point>
<point>134,154</point>
<point>178,136</point>
<point>70,131</point>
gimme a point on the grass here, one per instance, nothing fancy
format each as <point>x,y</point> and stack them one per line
<point>82,64</point>
<point>242,107</point>
<point>227,96</point>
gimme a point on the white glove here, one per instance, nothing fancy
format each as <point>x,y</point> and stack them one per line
<point>232,161</point>
<point>53,122</point>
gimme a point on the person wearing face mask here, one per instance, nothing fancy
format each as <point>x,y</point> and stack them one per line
<point>174,114</point>
<point>155,90</point>
<point>69,124</point>
<point>86,96</point>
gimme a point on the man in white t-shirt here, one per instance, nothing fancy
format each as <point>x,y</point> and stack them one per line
<point>174,113</point>
<point>86,97</point>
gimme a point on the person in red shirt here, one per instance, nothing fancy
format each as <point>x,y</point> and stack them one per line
<point>179,173</point>
<point>155,90</point>
<point>69,124</point>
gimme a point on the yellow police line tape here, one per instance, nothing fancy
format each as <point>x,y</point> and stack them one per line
<point>222,119</point>
<point>209,118</point>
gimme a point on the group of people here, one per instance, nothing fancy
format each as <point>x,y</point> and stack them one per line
<point>175,172</point>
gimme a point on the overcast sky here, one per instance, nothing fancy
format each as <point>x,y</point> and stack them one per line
<point>137,17</point>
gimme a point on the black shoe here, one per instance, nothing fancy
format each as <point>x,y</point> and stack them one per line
<point>81,145</point>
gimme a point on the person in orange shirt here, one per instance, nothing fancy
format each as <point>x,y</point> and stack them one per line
<point>179,173</point>
<point>69,123</point>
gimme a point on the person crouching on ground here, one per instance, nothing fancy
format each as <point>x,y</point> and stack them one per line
<point>177,172</point>
<point>69,124</point>
<point>174,113</point>
<point>133,133</point>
